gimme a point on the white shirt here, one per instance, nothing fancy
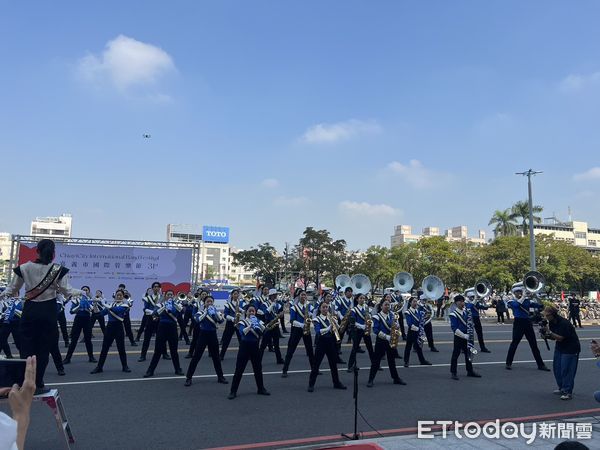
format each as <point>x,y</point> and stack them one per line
<point>33,274</point>
<point>8,433</point>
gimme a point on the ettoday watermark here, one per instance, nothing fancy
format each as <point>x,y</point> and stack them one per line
<point>430,429</point>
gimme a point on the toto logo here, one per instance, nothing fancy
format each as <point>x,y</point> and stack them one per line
<point>214,233</point>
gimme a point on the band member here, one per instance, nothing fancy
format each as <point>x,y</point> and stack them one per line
<point>282,301</point>
<point>97,312</point>
<point>250,330</point>
<point>458,323</point>
<point>415,333</point>
<point>42,280</point>
<point>180,319</point>
<point>343,307</point>
<point>114,332</point>
<point>61,301</point>
<point>476,305</point>
<point>325,345</point>
<point>233,314</point>
<point>128,299</point>
<point>522,325</point>
<point>10,317</point>
<point>150,302</point>
<point>56,356</point>
<point>574,311</point>
<point>299,314</point>
<point>82,308</point>
<point>383,324</point>
<point>166,333</point>
<point>398,306</point>
<point>188,313</point>
<point>207,318</point>
<point>427,309</point>
<point>270,313</point>
<point>198,304</point>
<point>359,316</point>
<point>145,317</point>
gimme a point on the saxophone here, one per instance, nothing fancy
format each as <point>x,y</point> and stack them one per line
<point>368,322</point>
<point>334,328</point>
<point>274,323</point>
<point>471,334</point>
<point>307,320</point>
<point>238,313</point>
<point>395,331</point>
<point>345,320</point>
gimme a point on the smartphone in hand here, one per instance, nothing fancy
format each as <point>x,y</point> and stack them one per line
<point>12,371</point>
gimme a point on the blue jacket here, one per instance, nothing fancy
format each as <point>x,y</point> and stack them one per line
<point>412,319</point>
<point>251,329</point>
<point>167,311</point>
<point>208,319</point>
<point>475,307</point>
<point>458,321</point>
<point>322,326</point>
<point>342,304</point>
<point>382,324</point>
<point>359,315</point>
<point>81,307</point>
<point>297,315</point>
<point>522,310</point>
<point>117,309</point>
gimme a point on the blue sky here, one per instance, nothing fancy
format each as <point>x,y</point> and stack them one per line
<point>272,116</point>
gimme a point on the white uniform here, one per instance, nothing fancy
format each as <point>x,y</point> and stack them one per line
<point>31,274</point>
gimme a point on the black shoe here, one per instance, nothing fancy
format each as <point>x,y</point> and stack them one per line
<point>544,368</point>
<point>263,391</point>
<point>222,358</point>
<point>66,361</point>
<point>66,344</point>
<point>141,359</point>
<point>455,377</point>
<point>271,350</point>
<point>222,380</point>
<point>370,383</point>
<point>61,372</point>
<point>473,375</point>
<point>134,344</point>
<point>508,367</point>
<point>320,373</point>
<point>96,370</point>
<point>340,361</point>
<point>403,338</point>
<point>231,395</point>
<point>189,356</point>
<point>137,339</point>
<point>281,361</point>
<point>434,350</point>
<point>148,375</point>
<point>92,360</point>
<point>41,391</point>
<point>126,369</point>
<point>380,369</point>
<point>284,374</point>
<point>406,365</point>
<point>188,382</point>
<point>167,357</point>
<point>311,389</point>
<point>485,350</point>
<point>425,363</point>
<point>340,386</point>
<point>359,350</point>
<point>350,369</point>
<point>399,381</point>
<point>179,372</point>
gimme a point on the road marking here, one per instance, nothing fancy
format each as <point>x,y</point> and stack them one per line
<point>278,372</point>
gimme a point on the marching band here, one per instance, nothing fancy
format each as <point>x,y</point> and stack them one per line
<point>256,323</point>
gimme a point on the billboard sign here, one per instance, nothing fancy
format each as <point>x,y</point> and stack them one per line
<point>219,235</point>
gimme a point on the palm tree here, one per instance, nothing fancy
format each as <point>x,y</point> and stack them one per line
<point>520,211</point>
<point>504,223</point>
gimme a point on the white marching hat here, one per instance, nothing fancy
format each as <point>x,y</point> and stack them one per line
<point>272,292</point>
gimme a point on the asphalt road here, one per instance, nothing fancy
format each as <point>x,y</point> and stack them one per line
<point>114,410</point>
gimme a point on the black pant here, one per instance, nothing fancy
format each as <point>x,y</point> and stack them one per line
<point>188,316</point>
<point>206,339</point>
<point>412,340</point>
<point>144,322</point>
<point>429,334</point>
<point>62,321</point>
<point>128,330</point>
<point>295,336</point>
<point>460,346</point>
<point>81,323</point>
<point>271,338</point>
<point>228,332</point>
<point>6,329</point>
<point>149,331</point>
<point>439,311</point>
<point>325,345</point>
<point>166,333</point>
<point>523,327</point>
<point>357,335</point>
<point>383,347</point>
<point>500,315</point>
<point>576,318</point>
<point>100,319</point>
<point>401,320</point>
<point>248,351</point>
<point>282,323</point>
<point>38,333</point>
<point>479,331</point>
<point>182,332</point>
<point>114,332</point>
<point>55,353</point>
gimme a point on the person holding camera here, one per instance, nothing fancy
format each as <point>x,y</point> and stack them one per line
<point>566,351</point>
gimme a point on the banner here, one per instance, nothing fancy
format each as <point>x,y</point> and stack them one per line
<point>104,268</point>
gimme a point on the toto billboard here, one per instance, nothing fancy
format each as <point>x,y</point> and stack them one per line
<point>219,235</point>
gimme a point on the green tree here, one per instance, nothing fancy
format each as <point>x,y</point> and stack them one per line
<point>520,211</point>
<point>377,264</point>
<point>322,258</point>
<point>503,222</point>
<point>263,260</point>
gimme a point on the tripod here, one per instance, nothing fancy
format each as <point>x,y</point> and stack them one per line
<point>354,436</point>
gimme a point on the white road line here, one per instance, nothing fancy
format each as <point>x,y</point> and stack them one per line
<point>129,380</point>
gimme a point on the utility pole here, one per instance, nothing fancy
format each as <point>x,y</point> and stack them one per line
<point>528,174</point>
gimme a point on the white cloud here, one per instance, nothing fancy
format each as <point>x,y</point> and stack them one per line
<point>126,63</point>
<point>367,209</point>
<point>589,175</point>
<point>417,175</point>
<point>270,183</point>
<point>329,133</point>
<point>578,82</point>
<point>282,200</point>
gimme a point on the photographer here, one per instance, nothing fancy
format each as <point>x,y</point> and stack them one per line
<point>566,352</point>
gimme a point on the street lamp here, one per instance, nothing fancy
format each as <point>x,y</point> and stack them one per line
<point>528,174</point>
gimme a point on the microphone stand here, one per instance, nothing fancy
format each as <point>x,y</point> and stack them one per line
<point>354,436</point>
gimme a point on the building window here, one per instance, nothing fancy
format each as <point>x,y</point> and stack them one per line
<point>580,235</point>
<point>592,243</point>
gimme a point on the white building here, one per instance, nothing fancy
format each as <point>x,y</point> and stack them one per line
<point>5,244</point>
<point>573,232</point>
<point>403,234</point>
<point>52,227</point>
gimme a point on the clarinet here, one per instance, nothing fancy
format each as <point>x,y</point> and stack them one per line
<point>471,334</point>
<point>421,338</point>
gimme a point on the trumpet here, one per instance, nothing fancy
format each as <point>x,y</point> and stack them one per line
<point>182,296</point>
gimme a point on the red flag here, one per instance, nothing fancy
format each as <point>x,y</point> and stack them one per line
<point>446,291</point>
<point>562,295</point>
<point>598,296</point>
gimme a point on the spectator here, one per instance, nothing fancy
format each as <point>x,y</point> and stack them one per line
<point>13,431</point>
<point>596,351</point>
<point>566,352</point>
